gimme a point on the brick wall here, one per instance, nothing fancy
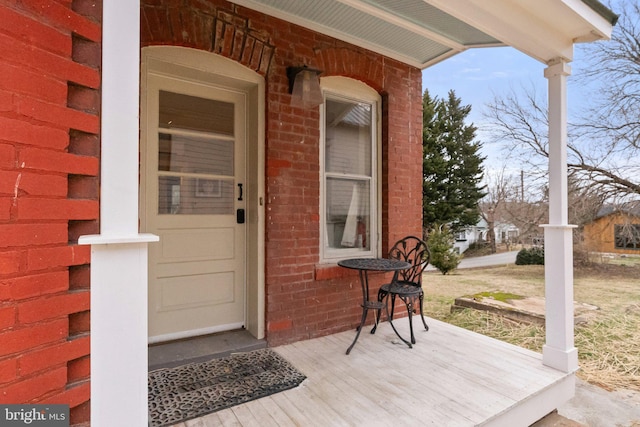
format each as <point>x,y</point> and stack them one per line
<point>304,299</point>
<point>49,124</point>
<point>49,163</point>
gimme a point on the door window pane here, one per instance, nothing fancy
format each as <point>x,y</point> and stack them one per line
<point>199,154</point>
<point>179,111</point>
<point>195,156</point>
<point>195,196</point>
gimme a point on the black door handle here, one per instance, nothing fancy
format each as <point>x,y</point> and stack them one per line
<point>240,196</point>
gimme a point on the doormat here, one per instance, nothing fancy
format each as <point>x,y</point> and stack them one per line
<point>190,391</point>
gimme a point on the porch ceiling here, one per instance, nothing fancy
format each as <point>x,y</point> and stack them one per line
<point>424,32</point>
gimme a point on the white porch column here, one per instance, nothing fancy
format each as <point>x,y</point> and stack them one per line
<point>559,351</point>
<point>119,254</point>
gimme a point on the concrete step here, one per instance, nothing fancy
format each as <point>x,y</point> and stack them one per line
<point>199,349</point>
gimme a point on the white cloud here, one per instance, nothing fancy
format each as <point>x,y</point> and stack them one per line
<point>500,74</point>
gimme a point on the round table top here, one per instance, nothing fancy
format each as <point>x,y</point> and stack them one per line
<point>377,264</point>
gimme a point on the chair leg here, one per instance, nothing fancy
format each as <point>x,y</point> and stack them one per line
<point>426,327</point>
<point>390,315</point>
<point>393,306</point>
<point>362,322</point>
<point>408,302</point>
<point>381,295</point>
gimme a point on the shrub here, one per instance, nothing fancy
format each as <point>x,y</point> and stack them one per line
<point>532,256</point>
<point>443,256</point>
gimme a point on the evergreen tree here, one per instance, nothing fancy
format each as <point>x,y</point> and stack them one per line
<point>440,244</point>
<point>452,166</point>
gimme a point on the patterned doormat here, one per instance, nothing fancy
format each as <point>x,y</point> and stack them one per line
<point>190,391</point>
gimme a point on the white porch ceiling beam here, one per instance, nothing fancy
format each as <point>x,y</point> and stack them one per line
<point>603,27</point>
<point>437,59</point>
<point>530,36</point>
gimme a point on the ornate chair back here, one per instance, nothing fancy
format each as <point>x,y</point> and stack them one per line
<point>413,250</point>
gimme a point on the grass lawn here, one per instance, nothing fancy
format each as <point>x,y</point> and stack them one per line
<point>608,345</point>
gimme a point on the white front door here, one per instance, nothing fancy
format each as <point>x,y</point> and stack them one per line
<point>192,197</point>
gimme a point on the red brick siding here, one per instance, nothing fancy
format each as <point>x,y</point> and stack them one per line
<point>49,116</point>
<point>49,161</point>
<point>304,299</point>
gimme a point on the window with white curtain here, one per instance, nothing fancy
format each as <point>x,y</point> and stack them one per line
<point>349,169</point>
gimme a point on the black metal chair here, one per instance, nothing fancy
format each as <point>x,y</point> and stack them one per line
<point>408,285</point>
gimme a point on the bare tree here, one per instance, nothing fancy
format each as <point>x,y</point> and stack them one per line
<point>615,67</point>
<point>502,193</point>
<point>492,206</point>
<point>612,122</point>
<point>527,216</point>
<point>512,199</point>
<point>520,123</point>
<point>604,141</point>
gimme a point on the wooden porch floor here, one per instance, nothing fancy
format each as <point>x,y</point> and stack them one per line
<point>451,377</point>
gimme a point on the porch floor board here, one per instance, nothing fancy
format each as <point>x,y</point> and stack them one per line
<point>451,377</point>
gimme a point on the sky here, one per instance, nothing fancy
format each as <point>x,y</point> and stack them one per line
<point>478,75</point>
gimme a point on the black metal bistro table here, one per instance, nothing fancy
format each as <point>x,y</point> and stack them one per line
<point>364,265</point>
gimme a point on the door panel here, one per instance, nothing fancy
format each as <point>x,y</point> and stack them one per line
<point>200,247</point>
<point>183,292</point>
<point>194,154</point>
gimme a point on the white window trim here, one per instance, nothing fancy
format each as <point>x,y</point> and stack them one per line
<point>351,89</point>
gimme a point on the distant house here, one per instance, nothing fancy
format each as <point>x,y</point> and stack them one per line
<point>470,235</point>
<point>614,231</point>
<point>506,232</point>
<point>503,231</point>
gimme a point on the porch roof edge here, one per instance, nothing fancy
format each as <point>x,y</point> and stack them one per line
<point>602,10</point>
